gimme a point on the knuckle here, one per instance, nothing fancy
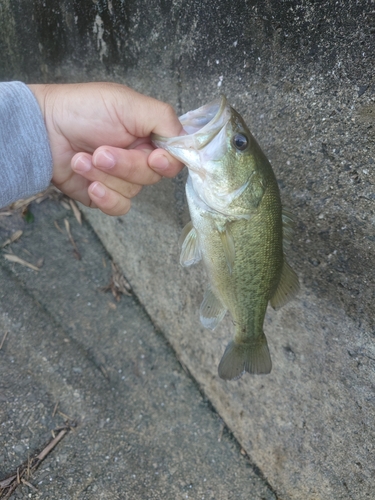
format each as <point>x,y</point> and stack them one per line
<point>168,111</point>
<point>122,207</point>
<point>134,189</point>
<point>118,206</point>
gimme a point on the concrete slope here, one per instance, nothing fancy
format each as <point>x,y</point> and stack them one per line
<point>143,429</point>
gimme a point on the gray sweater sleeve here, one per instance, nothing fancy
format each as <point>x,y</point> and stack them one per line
<point>25,155</point>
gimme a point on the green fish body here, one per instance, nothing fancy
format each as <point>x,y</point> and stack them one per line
<point>238,229</point>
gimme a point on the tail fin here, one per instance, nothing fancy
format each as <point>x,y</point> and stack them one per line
<point>240,358</point>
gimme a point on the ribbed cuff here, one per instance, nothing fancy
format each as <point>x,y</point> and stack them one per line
<point>25,155</point>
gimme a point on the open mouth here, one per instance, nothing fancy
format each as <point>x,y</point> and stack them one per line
<point>196,120</point>
<point>200,125</point>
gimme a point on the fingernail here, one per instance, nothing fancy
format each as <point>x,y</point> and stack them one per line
<point>97,190</point>
<point>160,162</point>
<point>104,159</point>
<point>82,164</point>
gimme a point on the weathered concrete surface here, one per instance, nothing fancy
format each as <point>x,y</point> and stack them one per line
<point>143,429</point>
<point>301,73</point>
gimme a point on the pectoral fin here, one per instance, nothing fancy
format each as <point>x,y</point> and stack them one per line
<point>288,287</point>
<point>190,250</point>
<point>212,310</point>
<point>228,244</point>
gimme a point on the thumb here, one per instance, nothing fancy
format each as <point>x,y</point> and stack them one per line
<point>144,115</point>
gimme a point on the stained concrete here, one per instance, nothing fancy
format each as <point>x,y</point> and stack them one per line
<point>301,74</point>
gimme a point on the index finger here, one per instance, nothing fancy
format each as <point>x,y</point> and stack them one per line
<point>126,164</point>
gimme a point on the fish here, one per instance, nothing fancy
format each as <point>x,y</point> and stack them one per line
<point>238,229</point>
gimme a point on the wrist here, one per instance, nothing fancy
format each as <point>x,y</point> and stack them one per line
<point>40,91</point>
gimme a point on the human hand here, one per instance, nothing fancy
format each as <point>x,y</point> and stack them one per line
<point>100,141</point>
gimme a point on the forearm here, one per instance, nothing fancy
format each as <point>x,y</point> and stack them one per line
<point>25,156</point>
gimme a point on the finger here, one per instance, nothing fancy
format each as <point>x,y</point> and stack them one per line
<point>76,186</point>
<point>163,120</point>
<point>82,164</point>
<point>108,201</point>
<point>128,164</point>
<point>164,164</point>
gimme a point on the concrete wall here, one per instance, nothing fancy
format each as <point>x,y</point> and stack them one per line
<point>302,75</point>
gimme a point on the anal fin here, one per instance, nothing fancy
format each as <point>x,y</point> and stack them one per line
<point>212,310</point>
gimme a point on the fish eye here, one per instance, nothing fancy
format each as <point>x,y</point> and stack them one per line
<point>240,142</point>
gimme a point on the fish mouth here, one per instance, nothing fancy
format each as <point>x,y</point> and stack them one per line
<point>200,125</point>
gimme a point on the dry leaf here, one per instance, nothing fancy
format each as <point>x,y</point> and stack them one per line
<point>23,204</point>
<point>40,262</point>
<point>51,192</point>
<point>47,193</point>
<point>17,260</point>
<point>13,238</point>
<point>76,212</point>
<point>118,284</point>
<point>65,204</point>
<point>57,226</point>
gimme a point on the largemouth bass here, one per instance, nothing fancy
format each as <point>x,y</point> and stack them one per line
<point>238,229</point>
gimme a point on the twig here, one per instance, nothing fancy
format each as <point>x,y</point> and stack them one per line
<point>55,409</point>
<point>29,485</point>
<point>42,455</point>
<point>28,468</point>
<point>64,416</point>
<point>5,483</point>
<point>67,227</point>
